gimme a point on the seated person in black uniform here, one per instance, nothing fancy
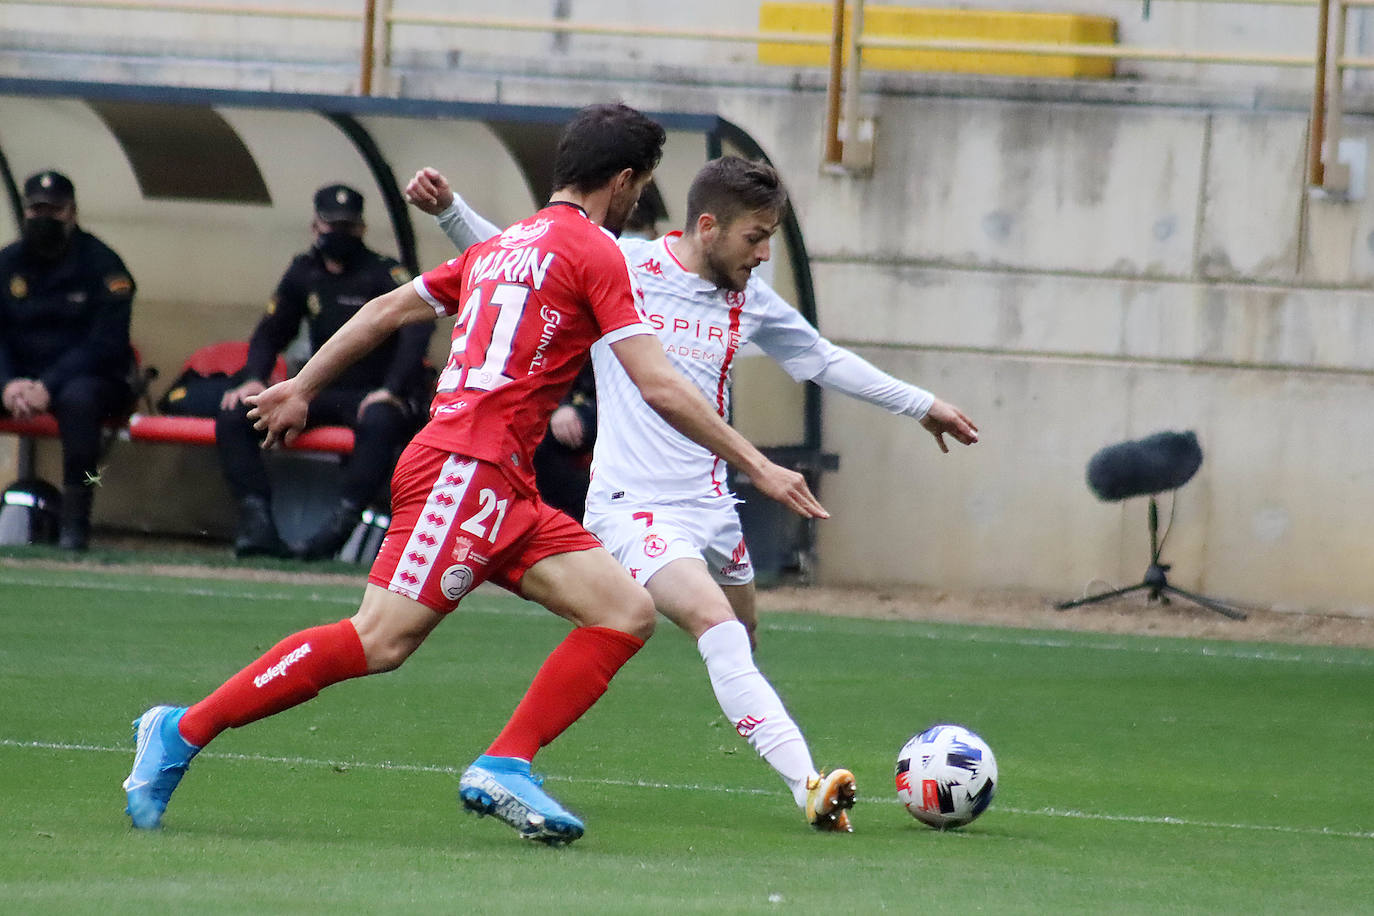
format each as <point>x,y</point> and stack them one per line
<point>65,305</point>
<point>376,396</point>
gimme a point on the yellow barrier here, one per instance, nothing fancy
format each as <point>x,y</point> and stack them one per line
<point>907,22</point>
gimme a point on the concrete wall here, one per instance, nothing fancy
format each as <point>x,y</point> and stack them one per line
<point>1075,267</point>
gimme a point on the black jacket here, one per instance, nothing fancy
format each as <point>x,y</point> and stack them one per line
<point>325,301</point>
<point>65,318</point>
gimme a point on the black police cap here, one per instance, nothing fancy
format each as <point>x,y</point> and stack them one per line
<point>49,187</point>
<point>338,203</point>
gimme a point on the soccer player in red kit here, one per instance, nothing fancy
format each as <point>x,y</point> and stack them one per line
<point>529,304</point>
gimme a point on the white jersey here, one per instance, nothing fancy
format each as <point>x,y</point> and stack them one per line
<point>638,456</point>
<point>702,327</point>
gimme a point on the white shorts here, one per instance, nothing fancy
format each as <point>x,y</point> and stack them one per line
<point>645,537</point>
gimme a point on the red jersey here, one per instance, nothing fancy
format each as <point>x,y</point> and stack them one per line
<point>530,303</point>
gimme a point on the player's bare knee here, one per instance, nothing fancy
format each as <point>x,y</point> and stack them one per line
<point>632,612</point>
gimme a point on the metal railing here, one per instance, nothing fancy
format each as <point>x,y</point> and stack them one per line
<point>847,46</point>
<point>377,20</point>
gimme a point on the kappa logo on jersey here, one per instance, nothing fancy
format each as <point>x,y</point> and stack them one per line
<point>523,233</point>
<point>456,582</point>
<point>748,724</point>
<point>654,546</point>
<point>651,267</point>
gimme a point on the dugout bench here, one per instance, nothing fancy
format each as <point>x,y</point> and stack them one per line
<point>301,495</point>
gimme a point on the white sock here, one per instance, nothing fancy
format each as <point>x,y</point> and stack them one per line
<point>753,707</point>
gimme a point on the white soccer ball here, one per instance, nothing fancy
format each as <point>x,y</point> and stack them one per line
<point>946,776</point>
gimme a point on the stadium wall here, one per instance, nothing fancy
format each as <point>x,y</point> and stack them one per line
<point>1077,265</point>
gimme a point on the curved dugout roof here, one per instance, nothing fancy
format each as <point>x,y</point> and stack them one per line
<point>198,189</point>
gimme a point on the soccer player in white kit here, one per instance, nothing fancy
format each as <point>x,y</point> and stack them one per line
<point>659,502</point>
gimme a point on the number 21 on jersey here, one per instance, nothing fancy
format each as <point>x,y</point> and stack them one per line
<point>501,313</point>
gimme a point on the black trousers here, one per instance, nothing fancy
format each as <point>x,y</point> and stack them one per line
<point>378,437</point>
<point>81,407</point>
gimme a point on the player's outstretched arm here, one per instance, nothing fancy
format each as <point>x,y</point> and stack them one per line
<point>430,192</point>
<point>280,411</point>
<point>805,355</point>
<point>682,405</point>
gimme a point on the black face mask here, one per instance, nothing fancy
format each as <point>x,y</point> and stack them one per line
<point>343,247</point>
<point>45,236</point>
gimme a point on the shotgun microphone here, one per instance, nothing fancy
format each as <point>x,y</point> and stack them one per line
<point>1164,461</point>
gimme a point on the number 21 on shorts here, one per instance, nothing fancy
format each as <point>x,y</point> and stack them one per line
<point>476,525</point>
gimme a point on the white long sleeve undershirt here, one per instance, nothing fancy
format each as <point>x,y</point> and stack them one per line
<point>853,375</point>
<point>464,226</point>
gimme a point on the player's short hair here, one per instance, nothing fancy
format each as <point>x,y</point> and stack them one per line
<point>730,186</point>
<point>600,142</point>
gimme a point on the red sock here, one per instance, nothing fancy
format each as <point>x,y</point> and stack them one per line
<point>292,671</point>
<point>572,678</point>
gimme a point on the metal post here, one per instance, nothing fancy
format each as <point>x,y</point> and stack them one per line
<point>1335,174</point>
<point>833,149</point>
<point>369,37</point>
<point>852,156</point>
<point>385,40</point>
<point>1317,127</point>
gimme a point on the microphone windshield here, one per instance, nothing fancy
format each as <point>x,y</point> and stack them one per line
<point>1164,461</point>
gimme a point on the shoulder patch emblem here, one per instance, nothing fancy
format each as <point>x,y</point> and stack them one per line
<point>119,284</point>
<point>19,287</point>
<point>400,275</point>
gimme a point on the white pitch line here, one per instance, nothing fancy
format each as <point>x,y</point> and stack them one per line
<point>1219,650</point>
<point>392,766</point>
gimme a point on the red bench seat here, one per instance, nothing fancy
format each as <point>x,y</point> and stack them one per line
<point>182,431</point>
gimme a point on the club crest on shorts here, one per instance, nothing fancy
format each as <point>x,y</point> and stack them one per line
<point>455,582</point>
<point>461,548</point>
<point>654,546</point>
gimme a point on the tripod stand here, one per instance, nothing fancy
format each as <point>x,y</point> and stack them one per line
<point>1156,581</point>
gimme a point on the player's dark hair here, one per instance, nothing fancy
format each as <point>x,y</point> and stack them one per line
<point>730,186</point>
<point>600,142</point>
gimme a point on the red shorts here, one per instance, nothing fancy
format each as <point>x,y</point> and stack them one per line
<point>457,522</point>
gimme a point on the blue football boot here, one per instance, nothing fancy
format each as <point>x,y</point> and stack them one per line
<point>504,786</point>
<point>161,757</point>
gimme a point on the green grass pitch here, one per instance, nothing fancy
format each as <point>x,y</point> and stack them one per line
<point>1140,775</point>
